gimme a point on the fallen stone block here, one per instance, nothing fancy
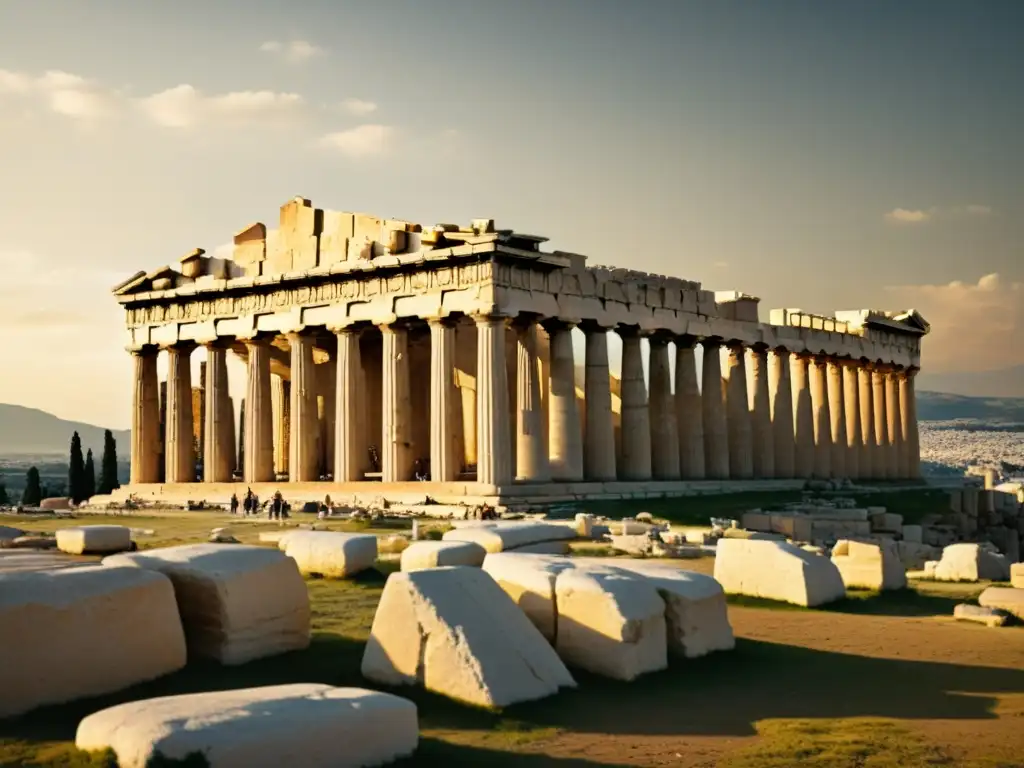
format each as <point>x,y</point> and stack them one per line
<point>32,542</point>
<point>72,633</point>
<point>1006,599</point>
<point>866,565</point>
<point>530,581</point>
<point>455,632</point>
<point>331,554</point>
<point>1017,575</point>
<point>94,539</point>
<point>972,562</point>
<point>585,525</point>
<point>55,503</point>
<point>438,554</point>
<point>744,535</point>
<point>503,535</point>
<point>886,522</point>
<point>305,724</point>
<point>542,548</point>
<point>990,617</point>
<point>914,555</point>
<point>777,570</point>
<point>912,534</point>
<point>275,537</point>
<point>237,602</point>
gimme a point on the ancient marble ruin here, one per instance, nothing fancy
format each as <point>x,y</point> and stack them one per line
<point>380,352</point>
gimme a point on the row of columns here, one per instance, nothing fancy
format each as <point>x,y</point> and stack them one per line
<point>807,416</point>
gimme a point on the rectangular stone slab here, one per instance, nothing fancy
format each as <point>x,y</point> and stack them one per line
<point>331,554</point>
<point>78,632</point>
<point>307,725</point>
<point>776,570</point>
<point>98,539</point>
<point>501,536</point>
<point>237,602</point>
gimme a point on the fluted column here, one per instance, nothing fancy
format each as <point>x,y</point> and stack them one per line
<point>911,437</point>
<point>803,418</point>
<point>837,417</point>
<point>822,419</point>
<point>494,446</point>
<point>635,434</point>
<point>303,461</point>
<point>258,417</point>
<point>444,466</point>
<point>716,439</point>
<point>761,415</point>
<point>780,393</point>
<point>737,408</point>
<point>869,447</point>
<point>179,451</point>
<point>851,409</point>
<point>882,459</point>
<point>689,414</point>
<point>599,435</point>
<point>217,457</point>
<point>897,458</point>
<point>145,457</point>
<point>350,449</point>
<point>664,433</point>
<point>282,392</point>
<point>396,418</point>
<point>565,441</point>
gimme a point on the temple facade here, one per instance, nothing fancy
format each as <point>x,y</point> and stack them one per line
<point>388,358</point>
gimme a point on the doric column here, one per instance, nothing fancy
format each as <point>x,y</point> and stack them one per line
<point>837,417</point>
<point>217,458</point>
<point>635,434</point>
<point>803,419</point>
<point>908,410</point>
<point>493,446</point>
<point>897,457</point>
<point>282,438</point>
<point>145,436</point>
<point>851,410</point>
<point>444,466</point>
<point>350,450</point>
<point>737,408</point>
<point>664,434</point>
<point>882,461</point>
<point>303,460</point>
<point>761,415</point>
<point>258,417</point>
<point>599,435</point>
<point>689,415</point>
<point>179,452</point>
<point>780,393</point>
<point>396,404</point>
<point>565,441</point>
<point>869,448</point>
<point>716,439</point>
<point>822,419</point>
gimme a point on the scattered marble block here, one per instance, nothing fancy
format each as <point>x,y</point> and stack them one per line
<point>237,602</point>
<point>530,581</point>
<point>455,632</point>
<point>55,503</point>
<point>32,542</point>
<point>542,548</point>
<point>696,616</point>
<point>610,622</point>
<point>305,724</point>
<point>1017,575</point>
<point>585,525</point>
<point>94,539</point>
<point>72,633</point>
<point>745,535</point>
<point>331,554</point>
<point>1006,599</point>
<point>886,522</point>
<point>504,535</point>
<point>913,534</point>
<point>435,554</point>
<point>990,617</point>
<point>777,570</point>
<point>972,562</point>
<point>866,565</point>
<point>275,537</point>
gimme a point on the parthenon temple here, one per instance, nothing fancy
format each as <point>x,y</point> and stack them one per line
<point>386,357</point>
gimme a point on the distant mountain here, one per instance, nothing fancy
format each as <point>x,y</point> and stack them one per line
<point>31,431</point>
<point>1005,382</point>
<point>937,406</point>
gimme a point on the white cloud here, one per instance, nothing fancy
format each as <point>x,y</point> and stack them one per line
<point>973,324</point>
<point>910,216</point>
<point>359,107</point>
<point>294,51</point>
<point>362,141</point>
<point>978,210</point>
<point>185,106</point>
<point>63,93</point>
<point>907,216</point>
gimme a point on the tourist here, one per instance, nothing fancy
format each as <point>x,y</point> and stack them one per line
<point>234,504</point>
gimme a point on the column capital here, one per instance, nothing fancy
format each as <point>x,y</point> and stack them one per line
<point>686,341</point>
<point>711,341</point>
<point>142,350</point>
<point>593,326</point>
<point>491,319</point>
<point>256,341</point>
<point>557,324</point>
<point>441,321</point>
<point>220,342</point>
<point>186,346</point>
<point>629,331</point>
<point>734,345</point>
<point>660,338</point>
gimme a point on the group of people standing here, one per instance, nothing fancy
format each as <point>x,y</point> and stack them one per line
<point>277,508</point>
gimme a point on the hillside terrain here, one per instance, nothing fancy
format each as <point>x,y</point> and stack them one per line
<point>29,431</point>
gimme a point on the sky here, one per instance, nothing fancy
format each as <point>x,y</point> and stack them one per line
<point>826,156</point>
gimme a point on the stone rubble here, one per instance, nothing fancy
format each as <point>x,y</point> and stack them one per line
<point>331,554</point>
<point>1008,599</point>
<point>438,554</point>
<point>990,617</point>
<point>777,570</point>
<point>874,566</point>
<point>94,539</point>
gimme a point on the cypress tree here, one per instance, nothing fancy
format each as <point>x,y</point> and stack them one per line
<point>33,491</point>
<point>4,498</point>
<point>89,482</point>
<point>108,465</point>
<point>76,471</point>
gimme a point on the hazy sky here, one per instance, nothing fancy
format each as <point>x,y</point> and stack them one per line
<point>822,155</point>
